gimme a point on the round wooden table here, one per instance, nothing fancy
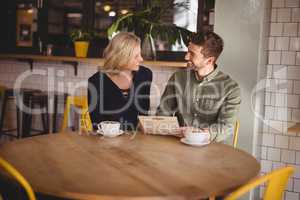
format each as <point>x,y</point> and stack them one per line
<point>140,166</point>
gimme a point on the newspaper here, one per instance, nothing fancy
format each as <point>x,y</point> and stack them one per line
<point>161,125</point>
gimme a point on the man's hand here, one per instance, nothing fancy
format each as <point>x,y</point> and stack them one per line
<point>182,130</point>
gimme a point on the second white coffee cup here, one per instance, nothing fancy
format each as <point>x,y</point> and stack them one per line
<point>197,136</point>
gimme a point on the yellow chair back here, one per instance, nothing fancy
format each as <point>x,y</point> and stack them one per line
<point>85,120</point>
<point>276,182</point>
<point>236,133</point>
<point>18,176</point>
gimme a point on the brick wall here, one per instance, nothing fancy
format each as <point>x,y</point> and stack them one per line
<point>279,147</point>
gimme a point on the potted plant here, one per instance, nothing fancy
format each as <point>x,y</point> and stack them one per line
<point>147,24</point>
<point>81,41</point>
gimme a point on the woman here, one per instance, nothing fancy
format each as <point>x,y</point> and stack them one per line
<point>120,91</point>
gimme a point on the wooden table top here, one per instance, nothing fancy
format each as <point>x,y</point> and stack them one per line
<point>93,167</point>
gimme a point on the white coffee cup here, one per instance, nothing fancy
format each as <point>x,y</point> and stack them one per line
<point>109,128</point>
<point>196,136</point>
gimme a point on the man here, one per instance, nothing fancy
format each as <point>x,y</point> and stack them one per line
<point>202,96</point>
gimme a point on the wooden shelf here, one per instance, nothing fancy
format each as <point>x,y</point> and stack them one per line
<point>74,60</point>
<point>295,128</point>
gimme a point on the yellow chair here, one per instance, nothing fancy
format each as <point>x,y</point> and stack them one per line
<point>82,103</point>
<point>18,176</point>
<point>275,184</point>
<point>236,133</point>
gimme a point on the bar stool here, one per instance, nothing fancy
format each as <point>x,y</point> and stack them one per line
<point>39,99</point>
<point>42,100</point>
<point>20,96</point>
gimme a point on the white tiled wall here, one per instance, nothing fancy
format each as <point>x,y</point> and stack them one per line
<point>282,96</point>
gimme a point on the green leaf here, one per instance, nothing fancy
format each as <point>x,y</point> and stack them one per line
<point>185,35</point>
<point>81,35</point>
<point>114,27</point>
<point>147,21</point>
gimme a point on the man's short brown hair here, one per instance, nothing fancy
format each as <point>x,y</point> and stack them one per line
<point>211,43</point>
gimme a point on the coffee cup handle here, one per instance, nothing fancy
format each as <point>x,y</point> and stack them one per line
<point>100,131</point>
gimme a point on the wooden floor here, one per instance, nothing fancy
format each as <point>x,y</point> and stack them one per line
<point>4,139</point>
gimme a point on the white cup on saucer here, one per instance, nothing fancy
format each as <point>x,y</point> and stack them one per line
<point>109,128</point>
<point>196,136</point>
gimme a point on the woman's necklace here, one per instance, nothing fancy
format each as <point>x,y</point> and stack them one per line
<point>122,80</point>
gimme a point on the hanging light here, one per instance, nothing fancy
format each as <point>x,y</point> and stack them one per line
<point>112,13</point>
<point>124,11</point>
<point>106,8</point>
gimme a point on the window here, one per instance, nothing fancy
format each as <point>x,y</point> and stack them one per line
<point>56,18</point>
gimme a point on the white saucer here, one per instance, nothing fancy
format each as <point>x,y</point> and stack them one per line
<point>117,134</point>
<point>185,141</point>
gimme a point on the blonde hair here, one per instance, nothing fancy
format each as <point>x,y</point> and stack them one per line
<point>119,51</point>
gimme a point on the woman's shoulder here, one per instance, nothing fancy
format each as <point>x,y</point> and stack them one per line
<point>95,76</point>
<point>144,73</point>
<point>144,69</point>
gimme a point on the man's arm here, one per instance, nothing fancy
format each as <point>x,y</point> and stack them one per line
<point>224,127</point>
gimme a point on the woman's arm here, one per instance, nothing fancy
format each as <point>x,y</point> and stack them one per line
<point>94,101</point>
<point>143,92</point>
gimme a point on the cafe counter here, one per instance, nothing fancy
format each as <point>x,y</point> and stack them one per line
<point>74,61</point>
